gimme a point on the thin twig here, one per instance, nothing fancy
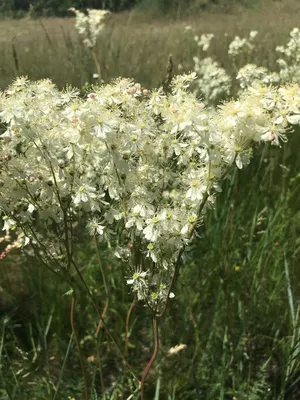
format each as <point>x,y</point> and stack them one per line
<point>101,319</point>
<point>97,64</point>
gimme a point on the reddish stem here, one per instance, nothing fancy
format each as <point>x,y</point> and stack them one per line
<point>101,319</point>
<point>153,357</point>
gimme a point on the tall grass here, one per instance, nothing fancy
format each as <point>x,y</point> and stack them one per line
<point>133,45</point>
<point>237,303</point>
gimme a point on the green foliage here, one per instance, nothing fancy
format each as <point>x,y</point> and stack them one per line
<point>176,8</point>
<point>233,309</point>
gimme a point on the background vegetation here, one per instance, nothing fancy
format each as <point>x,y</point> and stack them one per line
<point>177,8</point>
<point>237,300</point>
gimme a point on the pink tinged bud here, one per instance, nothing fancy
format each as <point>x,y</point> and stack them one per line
<point>91,96</point>
<point>74,119</point>
<point>272,138</point>
<point>145,92</point>
<point>8,248</point>
<point>174,110</point>
<point>31,179</point>
<point>130,245</point>
<point>202,105</point>
<point>132,90</point>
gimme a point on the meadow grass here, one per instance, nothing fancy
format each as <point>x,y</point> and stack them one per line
<point>134,45</point>
<point>237,299</point>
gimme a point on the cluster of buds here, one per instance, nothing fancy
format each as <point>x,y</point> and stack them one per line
<point>13,244</point>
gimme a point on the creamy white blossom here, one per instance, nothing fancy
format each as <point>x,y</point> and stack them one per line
<point>138,171</point>
<point>90,25</point>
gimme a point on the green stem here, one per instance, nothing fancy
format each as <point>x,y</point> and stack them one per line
<point>127,325</point>
<point>129,367</point>
<point>63,366</point>
<point>86,395</point>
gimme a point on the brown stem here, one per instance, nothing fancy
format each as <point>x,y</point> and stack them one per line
<point>127,325</point>
<point>86,396</point>
<point>153,357</point>
<point>101,319</point>
<point>97,64</point>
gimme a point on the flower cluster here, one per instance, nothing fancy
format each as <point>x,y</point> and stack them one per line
<point>213,82</point>
<point>289,65</point>
<point>204,41</point>
<point>11,243</point>
<point>138,168</point>
<point>251,74</point>
<point>89,26</point>
<point>242,45</point>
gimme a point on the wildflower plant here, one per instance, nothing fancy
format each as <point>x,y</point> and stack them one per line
<point>242,45</point>
<point>252,74</point>
<point>138,168</point>
<point>90,26</point>
<point>289,63</point>
<point>213,83</point>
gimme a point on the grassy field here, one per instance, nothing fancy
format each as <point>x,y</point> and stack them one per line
<point>237,304</point>
<point>133,44</point>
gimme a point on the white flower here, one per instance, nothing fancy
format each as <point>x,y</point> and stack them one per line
<point>9,224</point>
<point>84,194</point>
